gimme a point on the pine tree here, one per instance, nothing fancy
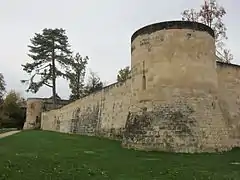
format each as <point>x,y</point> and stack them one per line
<point>76,75</point>
<point>50,53</point>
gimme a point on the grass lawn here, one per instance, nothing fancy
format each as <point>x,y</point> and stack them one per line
<point>39,155</point>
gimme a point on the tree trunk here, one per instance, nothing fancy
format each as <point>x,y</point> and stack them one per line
<point>53,77</point>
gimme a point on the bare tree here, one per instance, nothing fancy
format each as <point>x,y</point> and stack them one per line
<point>227,56</point>
<point>94,83</point>
<point>211,14</point>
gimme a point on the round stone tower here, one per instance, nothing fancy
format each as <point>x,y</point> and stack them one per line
<point>33,113</point>
<point>174,89</point>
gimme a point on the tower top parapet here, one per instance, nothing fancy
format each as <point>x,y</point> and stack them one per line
<point>173,25</point>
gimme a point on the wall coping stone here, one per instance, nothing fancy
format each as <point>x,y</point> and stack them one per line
<point>172,25</point>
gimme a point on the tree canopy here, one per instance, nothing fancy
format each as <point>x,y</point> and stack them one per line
<point>12,112</point>
<point>76,76</point>
<point>123,74</point>
<point>94,83</point>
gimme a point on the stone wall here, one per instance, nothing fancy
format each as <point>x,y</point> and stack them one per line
<point>175,87</point>
<point>229,99</point>
<point>102,113</point>
<point>34,109</point>
<point>33,113</point>
<point>178,99</point>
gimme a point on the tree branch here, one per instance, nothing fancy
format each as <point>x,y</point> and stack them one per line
<point>47,85</point>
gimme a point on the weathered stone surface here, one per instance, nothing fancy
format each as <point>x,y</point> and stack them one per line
<point>100,114</point>
<point>35,106</point>
<point>33,113</point>
<point>177,99</point>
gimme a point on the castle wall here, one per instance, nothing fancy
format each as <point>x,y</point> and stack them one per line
<point>229,98</point>
<point>33,112</point>
<point>177,109</point>
<point>178,99</point>
<point>102,113</point>
<point>35,107</point>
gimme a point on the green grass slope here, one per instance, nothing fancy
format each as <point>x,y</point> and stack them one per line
<point>40,155</point>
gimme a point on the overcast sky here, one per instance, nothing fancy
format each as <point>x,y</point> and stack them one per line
<point>100,29</point>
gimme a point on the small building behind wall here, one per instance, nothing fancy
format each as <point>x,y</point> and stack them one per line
<point>35,107</point>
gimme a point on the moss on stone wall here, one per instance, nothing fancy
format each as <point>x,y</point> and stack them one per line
<point>85,121</point>
<point>169,121</point>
